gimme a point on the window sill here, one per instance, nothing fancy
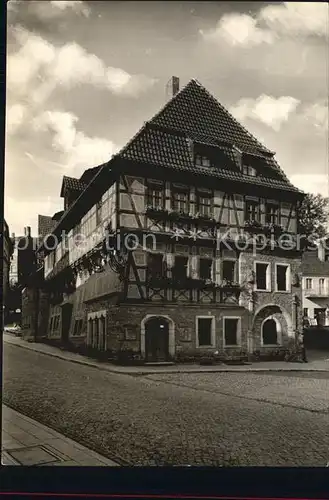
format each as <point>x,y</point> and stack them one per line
<point>232,345</point>
<point>205,346</point>
<point>272,345</point>
<point>282,291</point>
<point>261,290</point>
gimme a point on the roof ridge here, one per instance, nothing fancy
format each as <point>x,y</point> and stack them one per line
<point>173,98</point>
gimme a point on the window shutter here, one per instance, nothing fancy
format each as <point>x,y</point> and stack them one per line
<point>170,260</point>
<point>217,271</point>
<point>194,266</point>
<point>189,267</point>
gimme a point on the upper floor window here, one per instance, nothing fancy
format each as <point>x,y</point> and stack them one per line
<point>52,259</point>
<point>249,170</point>
<point>98,213</point>
<point>155,195</point>
<point>263,276</point>
<point>155,265</point>
<point>205,269</point>
<point>309,283</point>
<point>181,201</point>
<point>204,203</point>
<point>282,277</point>
<point>252,210</point>
<point>202,161</point>
<point>180,268</point>
<point>271,214</point>
<point>229,270</point>
<point>76,230</point>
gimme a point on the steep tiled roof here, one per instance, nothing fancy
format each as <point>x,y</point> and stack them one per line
<point>89,174</point>
<point>313,266</point>
<point>73,184</point>
<point>46,225</point>
<point>166,149</point>
<point>57,215</point>
<point>194,115</point>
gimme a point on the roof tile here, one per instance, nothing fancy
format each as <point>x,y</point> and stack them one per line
<point>195,115</point>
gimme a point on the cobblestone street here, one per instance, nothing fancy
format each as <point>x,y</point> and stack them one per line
<point>175,419</point>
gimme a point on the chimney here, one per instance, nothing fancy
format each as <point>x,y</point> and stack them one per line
<point>321,250</point>
<point>28,231</point>
<point>25,231</point>
<point>172,87</point>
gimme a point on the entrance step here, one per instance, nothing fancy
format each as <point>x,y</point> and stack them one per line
<point>159,363</point>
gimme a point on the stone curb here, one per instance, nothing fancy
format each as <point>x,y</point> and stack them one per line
<point>112,369</point>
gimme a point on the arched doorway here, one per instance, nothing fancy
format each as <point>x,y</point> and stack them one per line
<point>156,339</point>
<point>270,332</point>
<point>272,325</point>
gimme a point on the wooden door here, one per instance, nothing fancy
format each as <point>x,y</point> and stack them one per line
<point>157,340</point>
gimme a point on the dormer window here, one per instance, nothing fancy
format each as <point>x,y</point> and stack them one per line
<point>249,170</point>
<point>202,161</point>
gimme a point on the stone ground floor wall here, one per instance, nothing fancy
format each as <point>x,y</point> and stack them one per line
<point>130,322</point>
<point>125,325</point>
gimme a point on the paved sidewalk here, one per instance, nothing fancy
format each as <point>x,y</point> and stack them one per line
<point>270,366</point>
<point>27,442</point>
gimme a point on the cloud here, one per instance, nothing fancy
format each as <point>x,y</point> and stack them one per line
<point>289,19</point>
<point>238,29</point>
<point>77,150</point>
<point>317,114</point>
<point>76,5</point>
<point>22,213</point>
<point>38,67</point>
<point>311,183</point>
<point>47,10</point>
<point>14,117</point>
<point>300,18</point>
<point>269,110</point>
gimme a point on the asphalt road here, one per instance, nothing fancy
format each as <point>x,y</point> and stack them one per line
<point>175,419</point>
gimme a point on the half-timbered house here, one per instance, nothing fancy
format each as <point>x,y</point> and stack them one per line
<point>184,242</point>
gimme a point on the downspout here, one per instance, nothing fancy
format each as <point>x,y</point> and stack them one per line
<point>295,319</point>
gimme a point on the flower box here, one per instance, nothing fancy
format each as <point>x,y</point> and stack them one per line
<point>156,212</point>
<point>253,226</point>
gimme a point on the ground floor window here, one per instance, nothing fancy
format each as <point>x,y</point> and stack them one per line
<point>54,324</point>
<point>231,331</point>
<point>78,327</point>
<point>205,331</point>
<point>97,332</point>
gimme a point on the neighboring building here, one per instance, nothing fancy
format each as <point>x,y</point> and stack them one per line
<point>315,286</point>
<point>34,299</point>
<point>191,173</point>
<point>13,271</point>
<point>7,248</point>
<point>26,256</point>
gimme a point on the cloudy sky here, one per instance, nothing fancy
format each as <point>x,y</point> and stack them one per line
<point>82,77</point>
